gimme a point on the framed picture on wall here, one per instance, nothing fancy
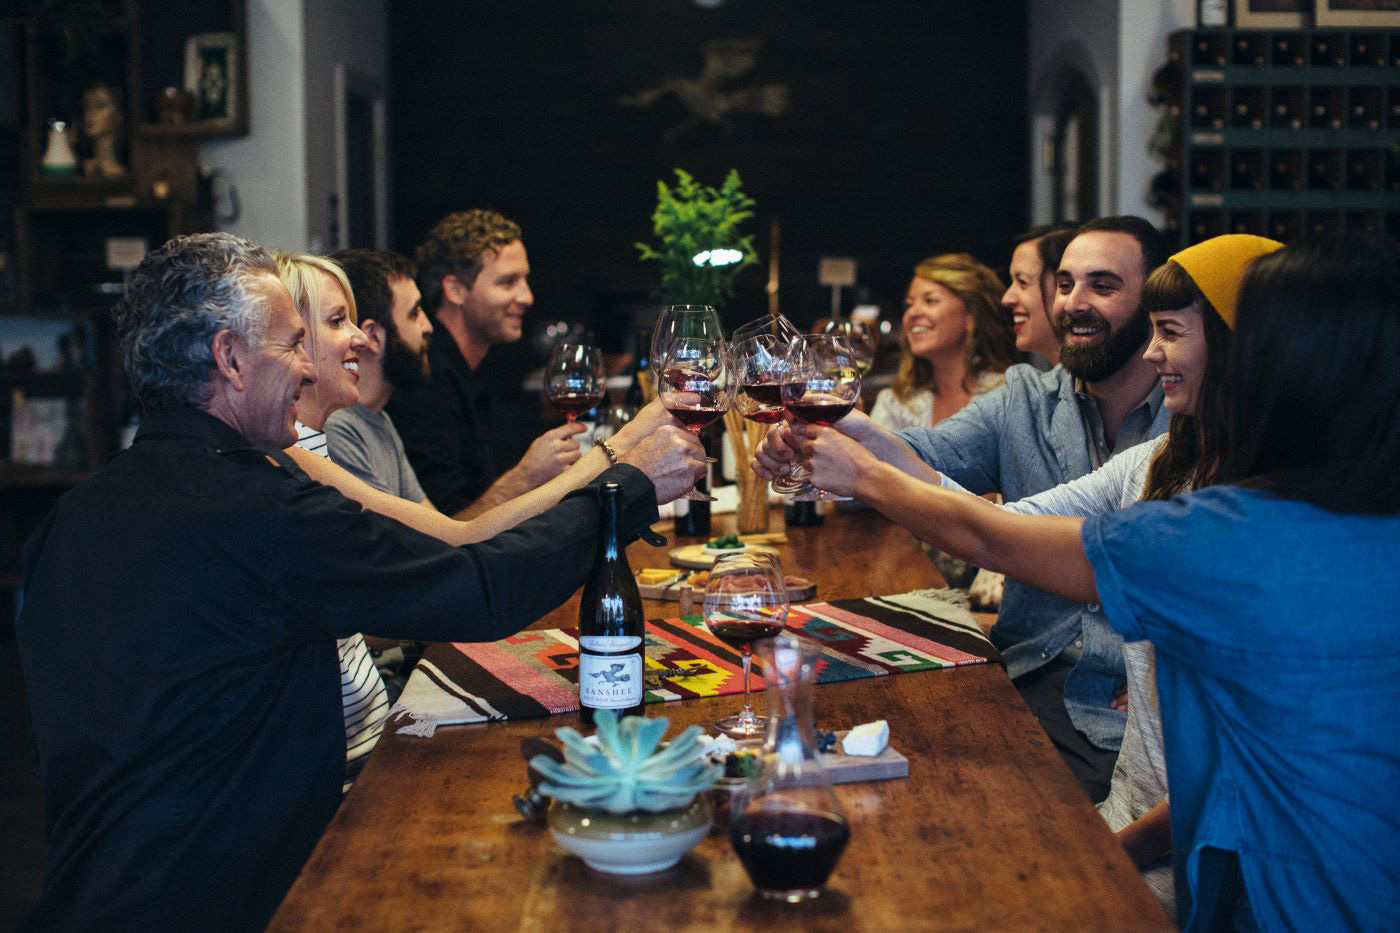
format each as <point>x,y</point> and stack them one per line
<point>1381,14</point>
<point>1272,14</point>
<point>211,71</point>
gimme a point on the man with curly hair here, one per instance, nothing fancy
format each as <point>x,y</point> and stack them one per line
<point>474,277</point>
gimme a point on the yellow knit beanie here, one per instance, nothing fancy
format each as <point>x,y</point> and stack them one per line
<point>1217,266</point>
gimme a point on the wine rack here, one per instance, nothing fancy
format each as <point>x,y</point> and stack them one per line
<point>1285,132</point>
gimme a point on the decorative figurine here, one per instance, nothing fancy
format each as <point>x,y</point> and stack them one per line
<point>58,156</point>
<point>103,121</point>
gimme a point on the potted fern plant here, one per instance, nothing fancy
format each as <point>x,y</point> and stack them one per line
<point>624,803</point>
<point>700,247</point>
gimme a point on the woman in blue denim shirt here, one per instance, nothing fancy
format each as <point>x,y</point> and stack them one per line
<point>1279,685</point>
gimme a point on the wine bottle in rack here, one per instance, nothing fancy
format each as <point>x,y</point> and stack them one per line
<point>611,663</point>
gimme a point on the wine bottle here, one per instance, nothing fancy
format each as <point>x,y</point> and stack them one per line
<point>802,513</point>
<point>692,517</point>
<point>636,396</point>
<point>610,623</point>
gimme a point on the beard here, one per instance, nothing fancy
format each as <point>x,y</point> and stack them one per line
<point>1095,362</point>
<point>403,368</point>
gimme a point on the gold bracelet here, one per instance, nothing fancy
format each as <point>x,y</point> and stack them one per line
<point>608,449</point>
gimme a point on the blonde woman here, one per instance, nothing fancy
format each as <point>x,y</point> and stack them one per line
<point>326,304</point>
<point>955,342</point>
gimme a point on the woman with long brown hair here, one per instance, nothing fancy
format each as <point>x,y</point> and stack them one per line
<point>955,342</point>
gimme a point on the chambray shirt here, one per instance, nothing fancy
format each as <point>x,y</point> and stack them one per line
<point>1034,433</point>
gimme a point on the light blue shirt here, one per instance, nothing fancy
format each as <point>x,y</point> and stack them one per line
<point>1277,631</point>
<point>1034,433</point>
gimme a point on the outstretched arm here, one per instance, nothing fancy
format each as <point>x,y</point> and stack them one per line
<point>423,517</point>
<point>783,441</point>
<point>1041,550</point>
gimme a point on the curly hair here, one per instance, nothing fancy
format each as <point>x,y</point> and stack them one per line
<point>459,245</point>
<point>179,297</point>
<point>992,344</point>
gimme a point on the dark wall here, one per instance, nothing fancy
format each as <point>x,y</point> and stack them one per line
<point>905,133</point>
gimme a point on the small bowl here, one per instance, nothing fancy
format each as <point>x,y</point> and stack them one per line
<point>634,843</point>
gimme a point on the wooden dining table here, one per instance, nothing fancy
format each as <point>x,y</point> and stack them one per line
<point>989,831</point>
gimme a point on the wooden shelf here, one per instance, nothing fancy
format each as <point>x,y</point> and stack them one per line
<point>69,311</point>
<point>191,130</point>
<point>28,475</point>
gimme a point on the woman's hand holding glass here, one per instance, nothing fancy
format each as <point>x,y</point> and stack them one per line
<point>696,385</point>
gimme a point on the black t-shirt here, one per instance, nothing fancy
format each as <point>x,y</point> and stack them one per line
<point>444,424</point>
<point>178,646</point>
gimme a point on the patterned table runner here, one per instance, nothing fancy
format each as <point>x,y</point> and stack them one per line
<point>535,673</point>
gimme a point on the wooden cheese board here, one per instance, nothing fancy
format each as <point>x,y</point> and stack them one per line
<point>699,557</point>
<point>847,769</point>
<point>653,585</point>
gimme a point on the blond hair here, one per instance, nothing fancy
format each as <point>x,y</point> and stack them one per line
<point>990,346</point>
<point>298,272</point>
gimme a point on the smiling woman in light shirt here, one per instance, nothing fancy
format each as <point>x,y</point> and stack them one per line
<point>955,342</point>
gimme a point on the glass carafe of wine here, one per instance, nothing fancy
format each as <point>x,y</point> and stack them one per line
<point>788,828</point>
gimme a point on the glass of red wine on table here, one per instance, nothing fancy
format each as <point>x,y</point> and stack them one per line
<point>696,385</point>
<point>574,379</point>
<point>822,390</point>
<point>746,599</point>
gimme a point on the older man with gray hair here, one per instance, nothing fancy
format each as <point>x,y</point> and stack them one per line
<point>182,606</point>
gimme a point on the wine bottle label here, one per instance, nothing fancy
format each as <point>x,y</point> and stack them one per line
<point>610,681</point>
<point>608,643</point>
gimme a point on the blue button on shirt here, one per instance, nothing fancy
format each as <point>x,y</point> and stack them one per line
<point>1036,432</point>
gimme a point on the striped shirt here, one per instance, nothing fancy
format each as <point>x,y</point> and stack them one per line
<point>363,698</point>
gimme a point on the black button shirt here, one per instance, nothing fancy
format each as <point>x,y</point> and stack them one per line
<point>178,644</point>
<point>444,424</point>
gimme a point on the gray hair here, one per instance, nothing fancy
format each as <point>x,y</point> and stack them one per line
<point>180,296</point>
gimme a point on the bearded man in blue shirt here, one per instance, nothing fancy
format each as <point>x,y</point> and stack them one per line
<point>1040,430</point>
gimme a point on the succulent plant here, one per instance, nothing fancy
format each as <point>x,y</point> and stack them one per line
<point>624,771</point>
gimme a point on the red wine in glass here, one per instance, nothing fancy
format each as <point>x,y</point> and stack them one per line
<point>574,404</point>
<point>765,415</point>
<point>739,632</point>
<point>765,393</point>
<point>695,418</point>
<point>819,412</point>
<point>789,853</point>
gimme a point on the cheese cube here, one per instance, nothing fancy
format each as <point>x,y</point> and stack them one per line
<point>868,739</point>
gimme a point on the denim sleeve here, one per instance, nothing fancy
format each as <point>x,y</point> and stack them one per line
<point>1113,589</point>
<point>966,447</point>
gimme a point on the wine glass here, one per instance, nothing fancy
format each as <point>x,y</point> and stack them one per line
<point>823,391</point>
<point>574,380</point>
<point>861,339</point>
<point>762,363</point>
<point>746,599</point>
<point>776,325</point>
<point>682,321</point>
<point>696,385</point>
